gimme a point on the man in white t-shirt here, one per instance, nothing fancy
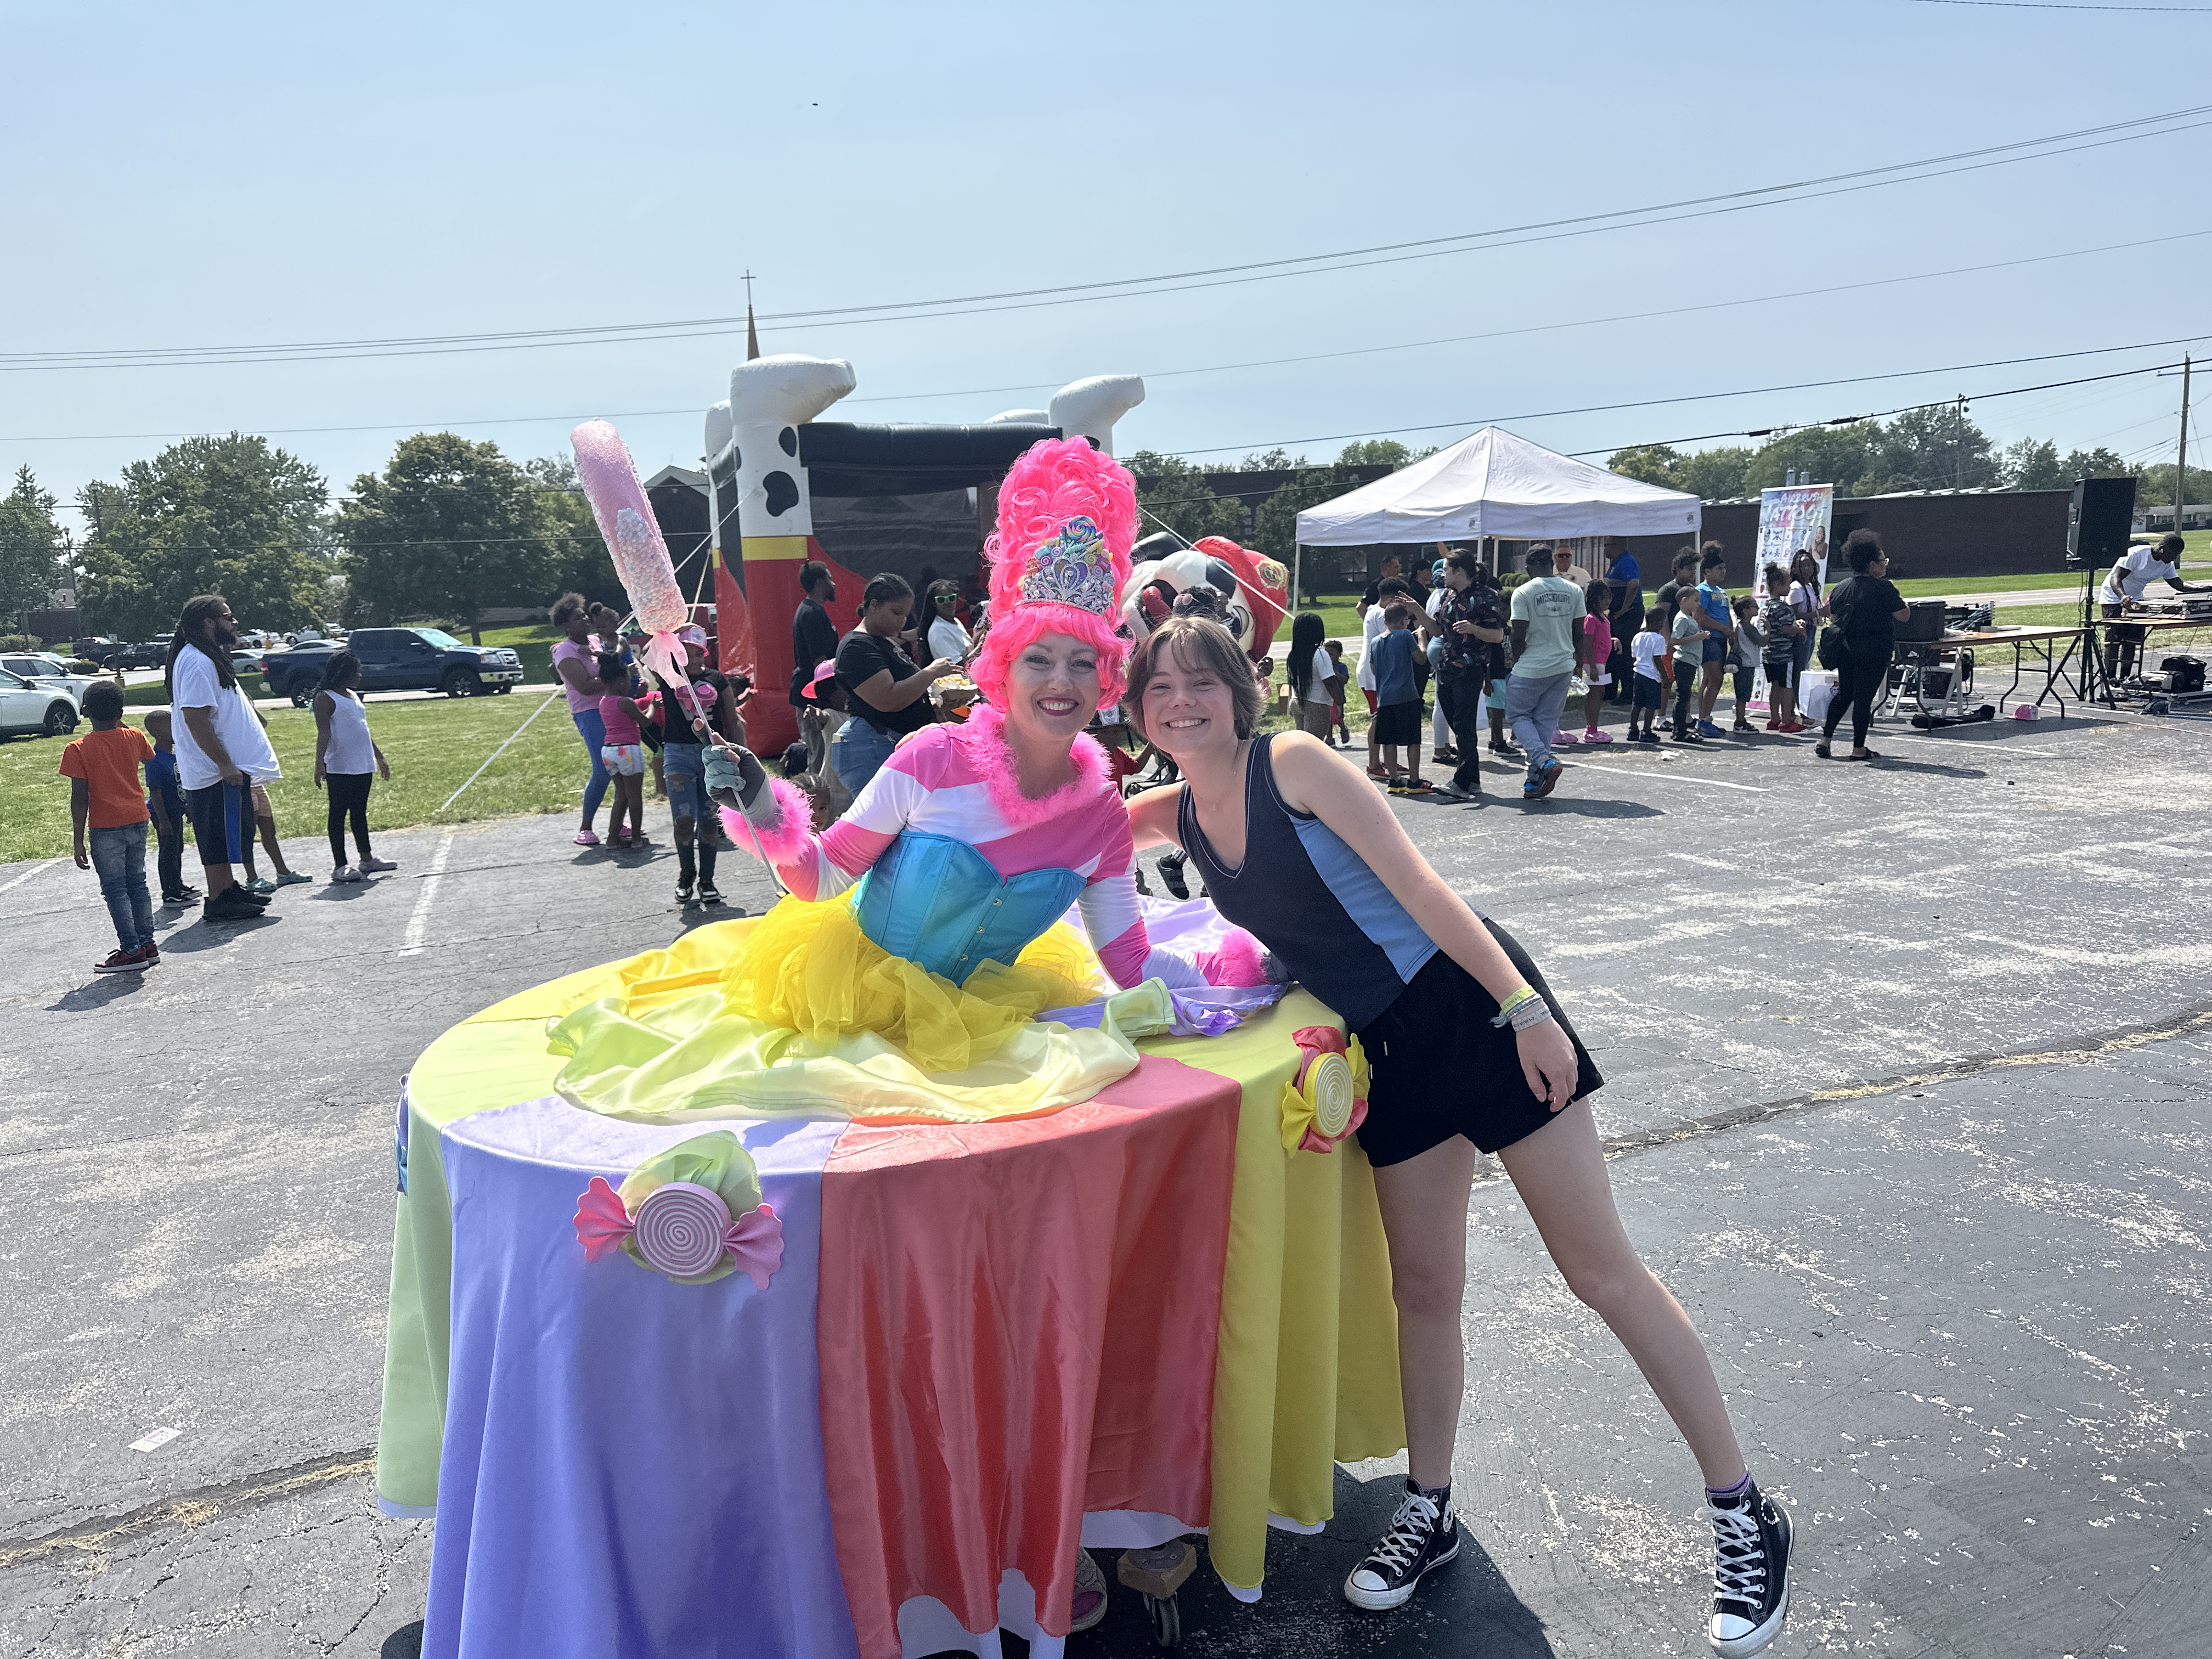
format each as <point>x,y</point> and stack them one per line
<point>223,751</point>
<point>2124,585</point>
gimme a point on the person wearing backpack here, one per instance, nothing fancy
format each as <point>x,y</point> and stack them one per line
<point>1857,644</point>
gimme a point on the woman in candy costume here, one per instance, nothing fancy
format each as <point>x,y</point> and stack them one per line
<point>975,837</point>
<point>900,978</point>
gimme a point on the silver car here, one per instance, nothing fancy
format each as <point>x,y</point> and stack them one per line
<point>26,707</point>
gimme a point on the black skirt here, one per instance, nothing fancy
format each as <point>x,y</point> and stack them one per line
<point>1438,1068</point>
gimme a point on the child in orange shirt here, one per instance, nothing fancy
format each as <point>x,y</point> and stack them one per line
<point>102,769</point>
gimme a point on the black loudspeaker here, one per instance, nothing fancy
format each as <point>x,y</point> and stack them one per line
<point>2097,527</point>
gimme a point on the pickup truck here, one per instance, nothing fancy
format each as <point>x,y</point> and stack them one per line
<point>397,659</point>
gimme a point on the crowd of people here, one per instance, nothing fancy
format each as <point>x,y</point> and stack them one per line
<point>1503,667</point>
<point>205,761</point>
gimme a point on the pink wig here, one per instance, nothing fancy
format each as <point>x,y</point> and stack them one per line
<point>1056,480</point>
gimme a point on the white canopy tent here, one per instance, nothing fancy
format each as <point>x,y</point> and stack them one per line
<point>1495,484</point>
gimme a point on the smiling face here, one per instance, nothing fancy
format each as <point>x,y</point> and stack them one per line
<point>1052,688</point>
<point>1188,706</point>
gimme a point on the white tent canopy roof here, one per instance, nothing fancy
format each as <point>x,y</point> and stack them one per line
<point>1495,484</point>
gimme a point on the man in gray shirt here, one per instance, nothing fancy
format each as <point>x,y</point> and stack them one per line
<point>1549,648</point>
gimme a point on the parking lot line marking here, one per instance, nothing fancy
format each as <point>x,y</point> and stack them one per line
<point>1664,777</point>
<point>419,922</point>
<point>497,752</point>
<point>17,881</point>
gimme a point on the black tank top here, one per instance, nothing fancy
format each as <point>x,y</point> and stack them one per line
<point>1309,899</point>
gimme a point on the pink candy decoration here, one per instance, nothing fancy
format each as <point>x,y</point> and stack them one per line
<point>680,1227</point>
<point>756,1240</point>
<point>633,538</point>
<point>603,1222</point>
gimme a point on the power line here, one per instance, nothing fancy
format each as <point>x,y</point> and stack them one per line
<point>1222,368</point>
<point>1163,282</point>
<point>2056,5</point>
<point>1746,391</point>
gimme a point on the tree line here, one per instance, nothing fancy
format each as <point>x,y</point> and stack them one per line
<point>448,530</point>
<point>1937,448</point>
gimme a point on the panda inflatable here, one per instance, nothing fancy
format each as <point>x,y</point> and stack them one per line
<point>1242,591</point>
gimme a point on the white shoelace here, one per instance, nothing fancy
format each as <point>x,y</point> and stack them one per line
<point>1739,1558</point>
<point>1410,1529</point>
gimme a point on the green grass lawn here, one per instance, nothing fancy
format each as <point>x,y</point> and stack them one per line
<point>432,745</point>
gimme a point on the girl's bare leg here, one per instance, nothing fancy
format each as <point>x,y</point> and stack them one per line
<point>1559,1172</point>
<point>1423,1203</point>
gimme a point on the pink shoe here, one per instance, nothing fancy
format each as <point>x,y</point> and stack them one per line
<point>1592,734</point>
<point>587,838</point>
<point>1563,739</point>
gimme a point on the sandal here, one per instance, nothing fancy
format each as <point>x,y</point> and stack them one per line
<point>1864,754</point>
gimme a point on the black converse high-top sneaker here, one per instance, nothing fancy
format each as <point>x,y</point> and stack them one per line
<point>1751,1571</point>
<point>1423,1534</point>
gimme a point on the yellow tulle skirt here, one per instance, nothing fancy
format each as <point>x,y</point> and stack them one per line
<point>799,1012</point>
<point>808,966</point>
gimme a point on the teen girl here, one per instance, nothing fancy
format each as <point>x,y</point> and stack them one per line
<point>1468,1052</point>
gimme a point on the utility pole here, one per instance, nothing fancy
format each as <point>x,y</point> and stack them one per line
<point>2181,454</point>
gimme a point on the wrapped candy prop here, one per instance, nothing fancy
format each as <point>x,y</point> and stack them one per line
<point>633,539</point>
<point>1327,1099</point>
<point>693,1214</point>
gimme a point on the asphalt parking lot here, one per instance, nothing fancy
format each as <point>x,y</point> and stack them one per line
<point>1908,1073</point>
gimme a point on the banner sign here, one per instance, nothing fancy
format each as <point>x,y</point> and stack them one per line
<point>1793,521</point>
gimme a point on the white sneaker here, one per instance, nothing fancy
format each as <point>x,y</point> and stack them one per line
<point>345,872</point>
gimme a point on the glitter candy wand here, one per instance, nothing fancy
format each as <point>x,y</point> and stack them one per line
<point>633,539</point>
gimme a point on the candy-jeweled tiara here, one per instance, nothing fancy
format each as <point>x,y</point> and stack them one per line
<point>1071,566</point>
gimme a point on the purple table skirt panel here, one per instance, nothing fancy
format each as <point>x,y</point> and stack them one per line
<point>631,1468</point>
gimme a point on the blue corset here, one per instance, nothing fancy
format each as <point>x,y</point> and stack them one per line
<point>940,902</point>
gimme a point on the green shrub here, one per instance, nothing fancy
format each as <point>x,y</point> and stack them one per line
<point>21,642</point>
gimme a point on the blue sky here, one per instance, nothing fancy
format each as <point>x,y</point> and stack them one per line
<point>184,176</point>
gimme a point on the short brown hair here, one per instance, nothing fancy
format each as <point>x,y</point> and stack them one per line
<point>1400,615</point>
<point>1196,642</point>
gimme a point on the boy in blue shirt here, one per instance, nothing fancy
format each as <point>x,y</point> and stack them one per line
<point>1397,700</point>
<point>1719,617</point>
<point>165,800</point>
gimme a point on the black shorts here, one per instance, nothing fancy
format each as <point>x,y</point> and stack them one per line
<point>1650,694</point>
<point>1438,1068</point>
<point>222,820</point>
<point>1398,725</point>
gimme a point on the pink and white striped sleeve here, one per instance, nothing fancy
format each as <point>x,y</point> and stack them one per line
<point>822,867</point>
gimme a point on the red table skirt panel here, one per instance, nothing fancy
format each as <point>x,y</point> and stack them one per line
<point>1018,1323</point>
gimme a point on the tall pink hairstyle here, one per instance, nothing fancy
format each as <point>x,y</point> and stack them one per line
<point>1056,481</point>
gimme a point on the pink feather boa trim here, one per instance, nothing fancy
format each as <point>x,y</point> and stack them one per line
<point>1240,961</point>
<point>984,737</point>
<point>784,840</point>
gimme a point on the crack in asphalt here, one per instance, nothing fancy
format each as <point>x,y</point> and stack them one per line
<point>2074,1051</point>
<point>194,1509</point>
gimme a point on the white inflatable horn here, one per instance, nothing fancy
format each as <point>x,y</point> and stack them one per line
<point>1090,407</point>
<point>786,389</point>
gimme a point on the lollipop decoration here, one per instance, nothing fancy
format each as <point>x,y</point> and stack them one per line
<point>1327,1099</point>
<point>679,1228</point>
<point>633,538</point>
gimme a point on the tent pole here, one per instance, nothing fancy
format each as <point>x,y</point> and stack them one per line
<point>1297,558</point>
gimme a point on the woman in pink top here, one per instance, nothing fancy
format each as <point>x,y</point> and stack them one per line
<point>574,660</point>
<point>623,752</point>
